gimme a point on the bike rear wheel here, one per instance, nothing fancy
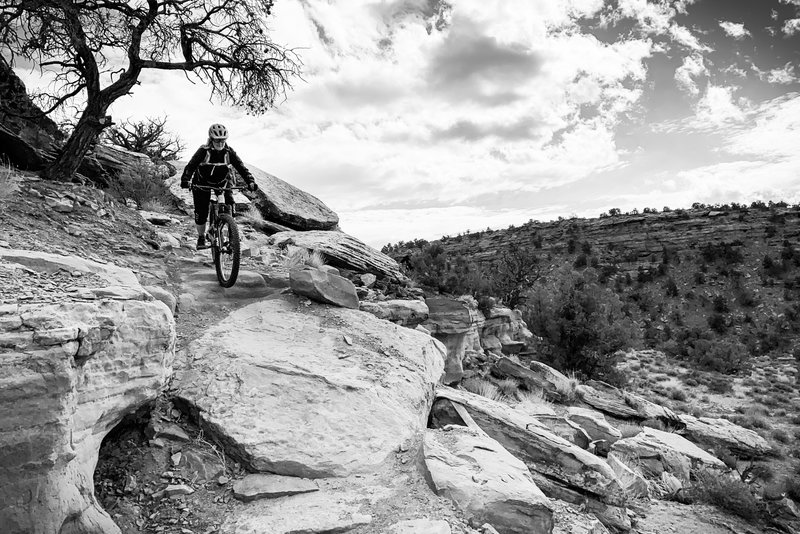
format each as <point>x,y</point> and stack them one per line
<point>228,251</point>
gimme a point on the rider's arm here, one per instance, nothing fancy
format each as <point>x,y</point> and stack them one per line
<point>239,166</point>
<point>191,167</point>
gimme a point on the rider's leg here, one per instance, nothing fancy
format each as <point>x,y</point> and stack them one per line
<point>201,198</point>
<point>229,201</point>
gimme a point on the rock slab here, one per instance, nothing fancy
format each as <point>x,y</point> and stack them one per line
<point>277,381</point>
<point>486,481</point>
<point>73,372</point>
<point>263,486</point>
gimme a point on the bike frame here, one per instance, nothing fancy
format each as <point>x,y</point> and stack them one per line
<point>214,204</point>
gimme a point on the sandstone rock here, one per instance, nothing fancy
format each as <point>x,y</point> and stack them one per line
<point>52,263</point>
<point>613,516</point>
<point>333,408</point>
<point>407,313</point>
<point>100,361</point>
<point>343,250</point>
<point>420,526</point>
<point>566,429</point>
<point>322,286</point>
<point>623,404</point>
<point>485,481</point>
<point>538,377</point>
<point>159,293</point>
<point>166,430</point>
<point>259,486</point>
<point>368,279</point>
<point>504,331</point>
<point>721,434</point>
<point>632,481</point>
<point>202,467</point>
<point>456,323</point>
<point>315,512</point>
<point>656,451</point>
<point>282,202</point>
<point>178,489</point>
<point>540,449</point>
<point>595,424</point>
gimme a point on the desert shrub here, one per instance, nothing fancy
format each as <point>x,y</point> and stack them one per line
<point>582,322</point>
<point>716,321</point>
<point>762,471</point>
<point>726,253</point>
<point>140,185</point>
<point>581,261</point>
<point>149,136</point>
<point>671,288</point>
<point>677,394</point>
<point>793,485</point>
<point>780,436</point>
<point>728,494</point>
<point>721,386</point>
<point>720,304</point>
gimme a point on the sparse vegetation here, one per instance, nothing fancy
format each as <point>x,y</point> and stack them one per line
<point>140,185</point>
<point>727,493</point>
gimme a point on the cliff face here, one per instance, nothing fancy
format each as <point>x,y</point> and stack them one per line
<point>639,239</point>
<point>718,274</point>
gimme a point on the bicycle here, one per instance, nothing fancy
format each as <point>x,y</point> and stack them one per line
<point>223,235</point>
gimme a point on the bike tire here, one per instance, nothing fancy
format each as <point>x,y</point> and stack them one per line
<point>228,251</point>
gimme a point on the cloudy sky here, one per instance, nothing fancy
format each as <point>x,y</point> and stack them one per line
<point>420,118</point>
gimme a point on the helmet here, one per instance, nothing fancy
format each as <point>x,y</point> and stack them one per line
<point>218,132</point>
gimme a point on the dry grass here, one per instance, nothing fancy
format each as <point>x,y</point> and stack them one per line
<point>509,387</point>
<point>297,257</point>
<point>728,493</point>
<point>156,205</point>
<point>7,173</point>
<point>484,388</point>
<point>533,402</point>
<point>569,392</point>
<point>629,430</point>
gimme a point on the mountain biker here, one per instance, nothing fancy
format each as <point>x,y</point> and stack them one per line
<point>210,166</point>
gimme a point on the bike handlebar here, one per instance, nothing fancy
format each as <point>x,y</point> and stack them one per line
<point>212,188</point>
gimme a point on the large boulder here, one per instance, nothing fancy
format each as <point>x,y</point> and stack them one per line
<point>486,481</point>
<point>554,384</point>
<point>721,434</point>
<point>457,323</point>
<point>408,313</point>
<point>504,331</point>
<point>623,404</point>
<point>541,450</point>
<point>342,250</point>
<point>69,372</point>
<point>278,201</point>
<point>310,390</point>
<point>323,286</point>
<point>654,452</point>
<point>595,424</point>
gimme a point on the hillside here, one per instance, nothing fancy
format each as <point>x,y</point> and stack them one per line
<point>731,271</point>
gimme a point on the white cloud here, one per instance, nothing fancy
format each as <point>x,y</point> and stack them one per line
<point>735,30</point>
<point>692,68</point>
<point>717,108</point>
<point>791,27</point>
<point>785,75</point>
<point>683,36</point>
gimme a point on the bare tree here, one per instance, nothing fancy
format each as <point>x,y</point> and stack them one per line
<point>97,49</point>
<point>149,136</point>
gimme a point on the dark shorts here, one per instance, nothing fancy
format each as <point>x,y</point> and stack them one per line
<point>201,200</point>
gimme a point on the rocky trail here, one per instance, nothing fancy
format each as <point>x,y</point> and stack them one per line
<point>148,399</point>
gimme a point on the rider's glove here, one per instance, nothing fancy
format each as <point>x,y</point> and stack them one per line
<point>184,184</point>
<point>252,186</point>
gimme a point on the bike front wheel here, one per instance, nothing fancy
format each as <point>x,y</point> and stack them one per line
<point>228,251</point>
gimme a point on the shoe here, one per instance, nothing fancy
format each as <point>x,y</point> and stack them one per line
<point>201,242</point>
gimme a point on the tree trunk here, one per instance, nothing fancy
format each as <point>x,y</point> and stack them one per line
<point>87,130</point>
